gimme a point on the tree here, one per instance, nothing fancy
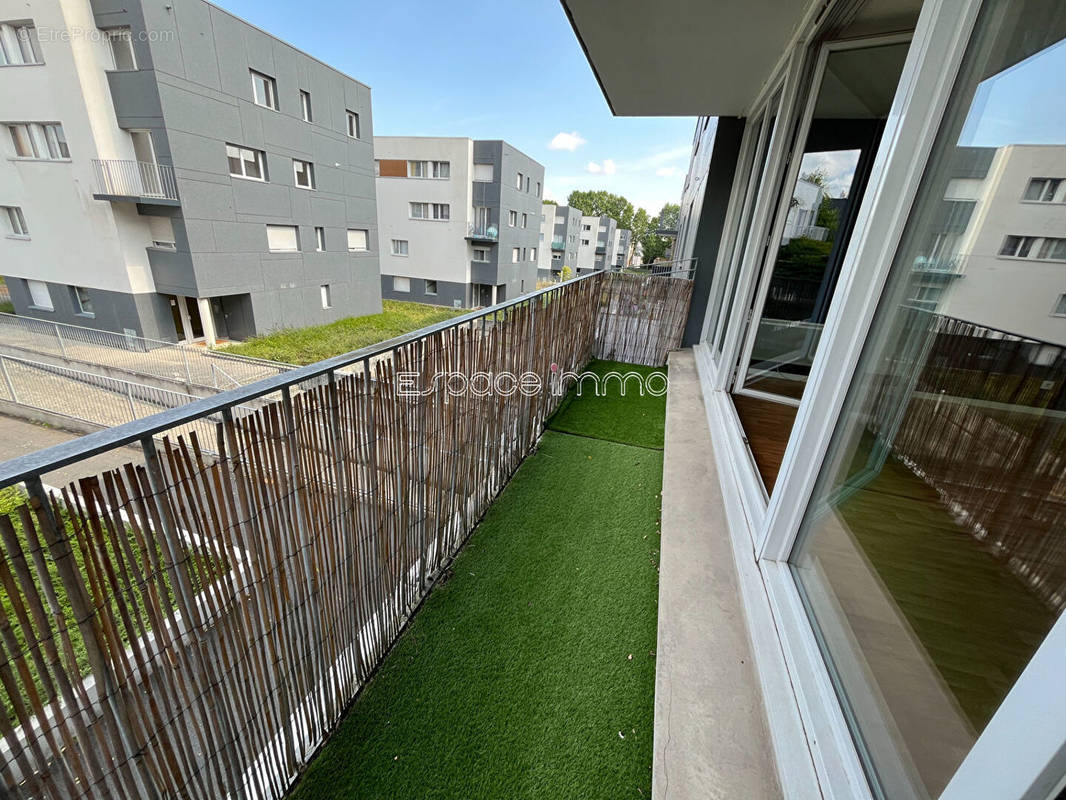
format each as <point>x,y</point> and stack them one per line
<point>595,203</point>
<point>828,217</point>
<point>816,176</point>
<point>670,216</point>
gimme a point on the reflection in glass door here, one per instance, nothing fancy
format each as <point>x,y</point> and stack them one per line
<point>932,557</point>
<point>854,91</point>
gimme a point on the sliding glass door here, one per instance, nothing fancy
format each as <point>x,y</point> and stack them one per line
<point>932,557</point>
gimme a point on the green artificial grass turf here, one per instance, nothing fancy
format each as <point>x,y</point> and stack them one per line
<point>308,345</point>
<point>630,418</point>
<point>530,672</point>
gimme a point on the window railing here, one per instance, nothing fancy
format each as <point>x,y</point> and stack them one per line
<point>236,584</point>
<point>489,233</point>
<point>135,179</point>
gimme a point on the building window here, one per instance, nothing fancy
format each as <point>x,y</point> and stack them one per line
<point>515,255</point>
<point>585,242</point>
<point>533,254</point>
<point>429,169</point>
<point>401,284</point>
<point>353,124</point>
<point>1035,247</point>
<point>527,184</point>
<point>1060,307</point>
<point>19,44</point>
<point>1045,190</point>
<point>357,240</point>
<point>282,239</point>
<point>431,287</point>
<point>586,227</point>
<point>377,167</point>
<point>512,218</point>
<point>481,254</point>
<point>303,173</point>
<point>305,105</point>
<point>264,90</point>
<point>122,56</point>
<point>399,247</point>
<point>326,295</point>
<point>83,304</point>
<point>518,181</point>
<point>538,188</point>
<point>320,239</point>
<point>438,211</point>
<point>1052,250</point>
<point>246,163</point>
<point>525,220</point>
<point>43,140</point>
<point>16,222</point>
<point>483,173</point>
<point>39,295</point>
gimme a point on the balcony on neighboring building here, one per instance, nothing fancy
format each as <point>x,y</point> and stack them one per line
<point>476,232</point>
<point>134,181</point>
<point>558,244</point>
<point>948,267</point>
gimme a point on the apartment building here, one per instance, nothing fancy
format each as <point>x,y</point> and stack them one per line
<point>620,250</point>
<point>177,173</point>
<point>595,242</point>
<point>560,229</point>
<point>460,219</point>
<point>876,395</point>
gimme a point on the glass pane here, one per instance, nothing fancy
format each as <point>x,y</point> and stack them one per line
<point>932,558</point>
<point>853,102</point>
<point>766,135</point>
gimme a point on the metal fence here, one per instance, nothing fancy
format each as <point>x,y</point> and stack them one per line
<point>89,397</point>
<point>128,178</point>
<point>136,354</point>
<point>220,613</point>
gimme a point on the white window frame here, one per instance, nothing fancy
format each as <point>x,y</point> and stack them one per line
<point>1059,309</point>
<point>484,251</point>
<point>16,222</point>
<point>121,37</point>
<point>401,248</point>
<point>401,284</point>
<point>325,295</point>
<point>365,247</point>
<point>305,106</point>
<point>19,44</point>
<point>525,220</point>
<point>512,219</point>
<point>83,304</point>
<point>320,239</point>
<point>516,254</point>
<point>275,233</point>
<point>264,90</point>
<point>309,171</point>
<point>426,288</point>
<point>816,756</point>
<point>47,141</point>
<point>351,123</point>
<point>38,290</point>
<point>259,157</point>
<point>532,254</point>
<point>479,174</point>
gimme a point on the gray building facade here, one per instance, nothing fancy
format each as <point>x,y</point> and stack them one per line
<point>564,243</point>
<point>253,171</point>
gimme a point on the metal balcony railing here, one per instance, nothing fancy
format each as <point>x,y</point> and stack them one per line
<point>939,266</point>
<point>485,233</point>
<point>558,244</point>
<point>134,179</point>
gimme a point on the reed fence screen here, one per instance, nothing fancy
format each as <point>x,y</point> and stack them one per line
<point>980,415</point>
<point>195,623</point>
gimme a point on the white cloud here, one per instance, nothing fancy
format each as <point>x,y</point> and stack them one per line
<point>593,167</point>
<point>666,172</point>
<point>609,167</point>
<point>566,141</point>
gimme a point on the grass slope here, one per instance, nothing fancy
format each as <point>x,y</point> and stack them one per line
<point>308,345</point>
<point>629,418</point>
<point>515,678</point>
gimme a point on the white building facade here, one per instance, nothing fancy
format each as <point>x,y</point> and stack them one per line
<point>459,220</point>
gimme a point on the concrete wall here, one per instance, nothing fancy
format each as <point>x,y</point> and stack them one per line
<point>567,230</point>
<point>547,233</point>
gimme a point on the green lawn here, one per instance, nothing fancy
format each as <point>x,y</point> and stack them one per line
<point>632,418</point>
<point>308,345</point>
<point>530,672</point>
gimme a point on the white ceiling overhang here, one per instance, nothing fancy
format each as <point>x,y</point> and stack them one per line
<point>683,57</point>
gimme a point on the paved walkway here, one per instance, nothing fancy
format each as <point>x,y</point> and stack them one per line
<point>18,437</point>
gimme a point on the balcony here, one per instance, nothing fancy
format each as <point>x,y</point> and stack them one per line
<point>231,593</point>
<point>948,267</point>
<point>558,244</point>
<point>134,181</point>
<point>482,233</point>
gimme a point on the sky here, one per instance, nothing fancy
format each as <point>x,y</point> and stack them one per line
<point>489,70</point>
